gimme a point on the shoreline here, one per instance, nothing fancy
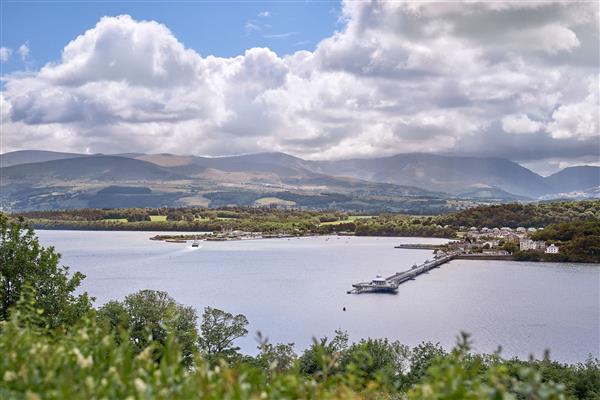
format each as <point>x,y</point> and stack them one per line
<point>190,232</point>
<point>189,235</point>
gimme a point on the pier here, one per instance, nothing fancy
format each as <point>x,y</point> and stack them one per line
<point>391,283</point>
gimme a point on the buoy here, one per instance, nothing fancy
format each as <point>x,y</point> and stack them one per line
<point>344,308</point>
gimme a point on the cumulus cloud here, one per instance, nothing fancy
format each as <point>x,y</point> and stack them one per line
<point>264,14</point>
<point>399,77</point>
<point>5,53</point>
<point>520,123</point>
<point>577,120</point>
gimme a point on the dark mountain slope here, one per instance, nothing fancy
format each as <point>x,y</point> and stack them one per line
<point>408,174</point>
<point>101,168</point>
<point>444,173</point>
<point>574,179</point>
<point>33,156</point>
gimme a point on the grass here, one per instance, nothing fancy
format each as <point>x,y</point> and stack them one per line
<point>115,220</point>
<point>351,218</point>
<point>274,200</point>
<point>355,217</point>
<point>158,218</point>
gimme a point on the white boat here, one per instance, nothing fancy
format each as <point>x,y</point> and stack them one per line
<point>196,243</point>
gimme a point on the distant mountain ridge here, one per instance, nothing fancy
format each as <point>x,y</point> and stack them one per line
<point>33,156</point>
<point>571,179</point>
<point>452,174</point>
<point>185,179</point>
<point>99,168</point>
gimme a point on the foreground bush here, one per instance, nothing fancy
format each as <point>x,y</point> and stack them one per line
<point>84,362</point>
<point>24,263</point>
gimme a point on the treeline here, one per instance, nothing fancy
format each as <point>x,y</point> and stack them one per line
<point>525,215</point>
<point>295,222</point>
<point>402,225</point>
<point>55,345</point>
<point>578,241</point>
<point>302,222</point>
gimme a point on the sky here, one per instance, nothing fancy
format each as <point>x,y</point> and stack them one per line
<point>320,80</point>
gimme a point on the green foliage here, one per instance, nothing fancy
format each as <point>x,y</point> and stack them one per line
<point>377,360</point>
<point>148,317</point>
<point>293,222</point>
<point>84,363</point>
<point>402,225</point>
<point>218,331</point>
<point>580,381</point>
<point>322,357</point>
<point>526,215</point>
<point>422,357</point>
<point>275,358</point>
<point>23,262</point>
<point>462,376</point>
<point>578,241</point>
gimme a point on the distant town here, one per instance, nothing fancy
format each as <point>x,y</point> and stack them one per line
<point>493,240</point>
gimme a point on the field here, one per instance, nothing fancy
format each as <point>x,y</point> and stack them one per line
<point>116,220</point>
<point>264,201</point>
<point>158,218</point>
<point>351,218</point>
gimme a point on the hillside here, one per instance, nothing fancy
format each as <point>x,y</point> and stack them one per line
<point>263,179</point>
<point>525,215</point>
<point>416,183</point>
<point>574,179</point>
<point>100,168</point>
<point>443,173</point>
<point>33,156</point>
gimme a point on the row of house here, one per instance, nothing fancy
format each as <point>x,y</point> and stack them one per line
<point>491,238</point>
<point>486,230</point>
<point>526,244</point>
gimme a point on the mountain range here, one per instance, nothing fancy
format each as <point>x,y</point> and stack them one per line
<point>414,182</point>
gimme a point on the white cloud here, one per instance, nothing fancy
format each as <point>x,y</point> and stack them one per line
<point>250,27</point>
<point>264,14</point>
<point>399,77</point>
<point>23,51</point>
<point>520,123</point>
<point>5,53</point>
<point>577,120</point>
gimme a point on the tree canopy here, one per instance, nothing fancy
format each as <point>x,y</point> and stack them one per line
<point>24,263</point>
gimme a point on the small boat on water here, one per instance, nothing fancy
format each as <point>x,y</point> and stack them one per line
<point>196,243</point>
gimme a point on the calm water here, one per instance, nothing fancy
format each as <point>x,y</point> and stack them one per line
<point>292,290</point>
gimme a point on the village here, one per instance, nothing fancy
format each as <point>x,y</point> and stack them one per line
<point>498,241</point>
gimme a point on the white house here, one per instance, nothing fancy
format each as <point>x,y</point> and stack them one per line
<point>552,249</point>
<point>528,244</point>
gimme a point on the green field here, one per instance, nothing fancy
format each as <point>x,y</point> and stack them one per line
<point>119,220</point>
<point>265,201</point>
<point>355,217</point>
<point>351,218</point>
<point>158,218</point>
